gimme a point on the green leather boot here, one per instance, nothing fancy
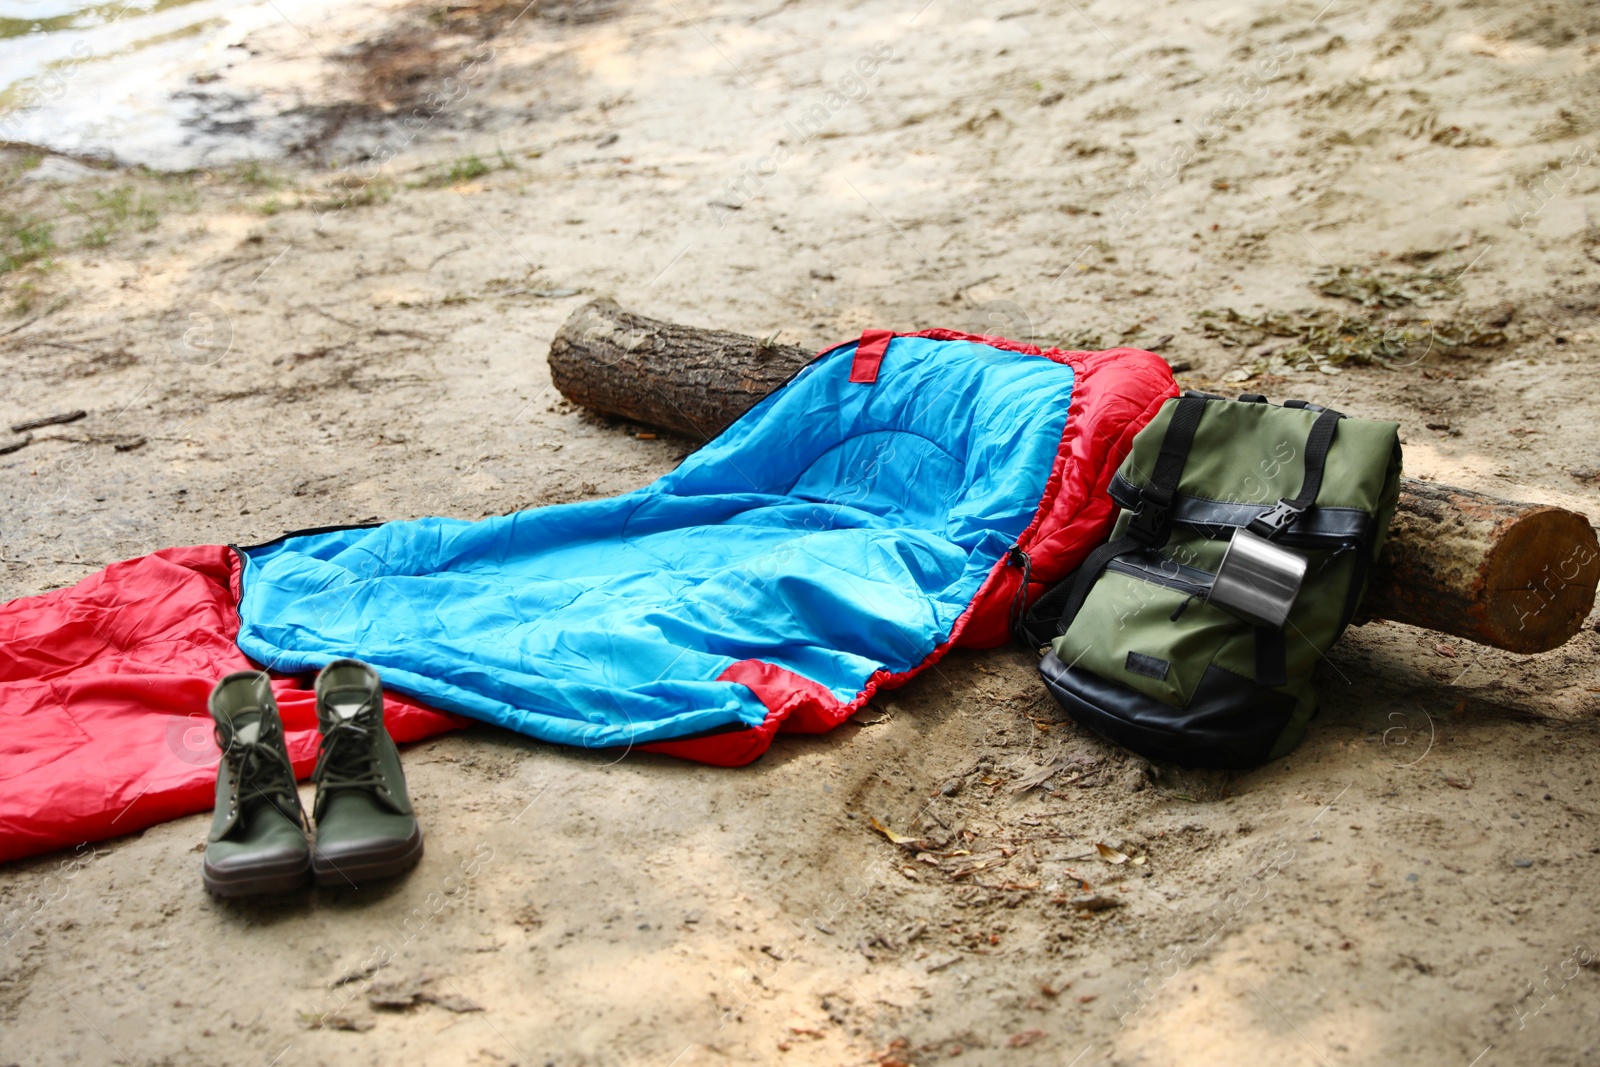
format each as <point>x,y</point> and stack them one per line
<point>258,841</point>
<point>365,826</point>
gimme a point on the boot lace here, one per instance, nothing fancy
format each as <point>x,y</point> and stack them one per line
<point>260,770</point>
<point>349,756</point>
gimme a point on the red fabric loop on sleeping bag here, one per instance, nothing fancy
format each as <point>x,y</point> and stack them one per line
<point>869,354</point>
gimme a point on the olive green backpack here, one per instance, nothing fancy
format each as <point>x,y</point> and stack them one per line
<point>1246,533</point>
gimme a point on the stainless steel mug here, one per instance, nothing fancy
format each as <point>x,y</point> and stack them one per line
<point>1257,580</point>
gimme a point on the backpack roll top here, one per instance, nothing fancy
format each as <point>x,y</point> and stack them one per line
<point>1240,554</point>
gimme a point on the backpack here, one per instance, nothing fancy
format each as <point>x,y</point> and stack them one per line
<point>1241,552</point>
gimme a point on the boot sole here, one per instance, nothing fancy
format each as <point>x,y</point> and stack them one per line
<point>358,868</point>
<point>250,882</point>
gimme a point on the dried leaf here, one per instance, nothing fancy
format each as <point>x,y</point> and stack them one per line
<point>1387,288</point>
<point>1109,854</point>
<point>892,1056</point>
<point>899,839</point>
<point>1326,340</point>
<point>1037,776</point>
<point>1024,1039</point>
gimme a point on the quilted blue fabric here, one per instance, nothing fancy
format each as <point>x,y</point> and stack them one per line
<point>836,529</point>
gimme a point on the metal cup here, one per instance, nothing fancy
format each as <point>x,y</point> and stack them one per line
<point>1257,580</point>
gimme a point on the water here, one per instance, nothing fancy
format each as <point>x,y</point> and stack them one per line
<point>163,83</point>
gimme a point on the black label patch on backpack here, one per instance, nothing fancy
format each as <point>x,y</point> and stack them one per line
<point>1149,666</point>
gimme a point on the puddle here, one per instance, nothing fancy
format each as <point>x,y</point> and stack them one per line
<point>172,84</point>
<point>181,85</point>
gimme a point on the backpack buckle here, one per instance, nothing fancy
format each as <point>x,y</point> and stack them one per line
<point>1273,523</point>
<point>1151,524</point>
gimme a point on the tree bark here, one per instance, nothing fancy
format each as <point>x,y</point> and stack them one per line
<point>692,382</point>
<point>1512,575</point>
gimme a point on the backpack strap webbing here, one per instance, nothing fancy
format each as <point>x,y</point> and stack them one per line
<point>1272,647</point>
<point>1318,442</point>
<point>1272,657</point>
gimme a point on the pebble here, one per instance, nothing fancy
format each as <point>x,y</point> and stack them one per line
<point>1519,862</point>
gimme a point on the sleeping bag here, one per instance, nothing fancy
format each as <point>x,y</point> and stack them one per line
<point>900,495</point>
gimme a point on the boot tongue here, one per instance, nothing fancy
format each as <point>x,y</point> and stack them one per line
<point>347,705</point>
<point>346,710</point>
<point>246,726</point>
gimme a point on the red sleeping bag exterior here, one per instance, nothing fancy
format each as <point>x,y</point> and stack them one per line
<point>103,686</point>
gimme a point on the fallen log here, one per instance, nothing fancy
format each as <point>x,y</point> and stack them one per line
<point>1497,572</point>
<point>692,382</point>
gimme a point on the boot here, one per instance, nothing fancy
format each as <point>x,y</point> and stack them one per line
<point>365,826</point>
<point>257,842</point>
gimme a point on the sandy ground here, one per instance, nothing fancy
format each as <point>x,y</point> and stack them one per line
<point>332,339</point>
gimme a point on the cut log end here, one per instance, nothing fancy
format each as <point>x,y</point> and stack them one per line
<point>1541,577</point>
<point>1499,572</point>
